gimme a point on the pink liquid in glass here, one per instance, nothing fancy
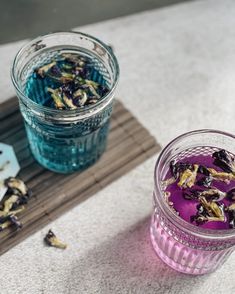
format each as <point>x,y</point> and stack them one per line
<point>181,244</point>
<point>181,257</point>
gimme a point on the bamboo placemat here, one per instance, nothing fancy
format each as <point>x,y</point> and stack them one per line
<point>129,144</point>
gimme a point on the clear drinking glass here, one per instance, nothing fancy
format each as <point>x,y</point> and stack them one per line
<point>183,246</point>
<point>65,140</point>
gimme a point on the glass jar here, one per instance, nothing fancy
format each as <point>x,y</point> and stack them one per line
<point>65,140</point>
<point>183,246</point>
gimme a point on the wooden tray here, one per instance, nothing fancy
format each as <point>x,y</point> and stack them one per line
<point>129,144</point>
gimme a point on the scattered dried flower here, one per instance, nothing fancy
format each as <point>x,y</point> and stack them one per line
<point>53,241</point>
<point>16,186</point>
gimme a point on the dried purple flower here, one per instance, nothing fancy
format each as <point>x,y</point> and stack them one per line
<point>15,221</point>
<point>178,167</point>
<point>224,160</point>
<point>80,97</point>
<point>55,71</point>
<point>16,186</point>
<point>231,215</point>
<point>213,194</point>
<point>205,181</point>
<point>203,170</point>
<point>190,194</point>
<point>208,211</point>
<point>188,177</point>
<point>56,96</point>
<point>51,240</point>
<point>68,102</point>
<point>43,70</point>
<point>221,176</point>
<point>9,221</point>
<point>231,194</point>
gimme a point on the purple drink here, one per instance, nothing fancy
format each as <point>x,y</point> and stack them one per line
<point>188,238</point>
<point>188,207</point>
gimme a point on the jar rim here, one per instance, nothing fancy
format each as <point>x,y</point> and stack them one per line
<point>175,219</point>
<point>91,109</point>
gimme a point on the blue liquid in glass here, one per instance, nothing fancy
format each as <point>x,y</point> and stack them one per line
<point>59,146</point>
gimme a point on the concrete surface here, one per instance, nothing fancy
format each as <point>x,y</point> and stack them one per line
<point>30,18</point>
<point>177,74</point>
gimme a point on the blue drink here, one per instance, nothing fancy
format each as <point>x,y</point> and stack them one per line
<point>64,140</point>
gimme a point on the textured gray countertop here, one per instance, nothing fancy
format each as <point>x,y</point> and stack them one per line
<point>177,74</point>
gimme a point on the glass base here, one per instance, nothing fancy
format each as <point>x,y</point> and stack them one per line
<point>181,257</point>
<point>64,169</point>
<point>67,155</point>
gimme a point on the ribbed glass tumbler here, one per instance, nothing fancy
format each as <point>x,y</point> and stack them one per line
<point>65,140</point>
<point>183,246</point>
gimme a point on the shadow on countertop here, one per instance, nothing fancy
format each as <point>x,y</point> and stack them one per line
<point>127,264</point>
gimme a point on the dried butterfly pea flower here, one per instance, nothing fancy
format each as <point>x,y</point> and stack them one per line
<point>231,218</point>
<point>80,97</point>
<point>16,186</point>
<point>205,181</point>
<point>231,215</point>
<point>13,200</point>
<point>68,102</point>
<point>191,194</point>
<point>63,78</point>
<point>66,77</point>
<point>231,194</point>
<point>12,204</point>
<point>212,208</point>
<point>93,91</point>
<point>55,71</point>
<point>51,240</point>
<point>177,168</point>
<point>224,160</point>
<point>11,220</point>
<point>15,221</point>
<point>198,219</point>
<point>43,70</point>
<point>75,59</point>
<point>188,177</point>
<point>5,214</point>
<point>5,225</point>
<point>208,211</point>
<point>92,101</point>
<point>56,96</point>
<point>92,83</point>
<point>203,170</point>
<point>102,90</point>
<point>212,194</point>
<point>67,66</point>
<point>215,210</point>
<point>221,176</point>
